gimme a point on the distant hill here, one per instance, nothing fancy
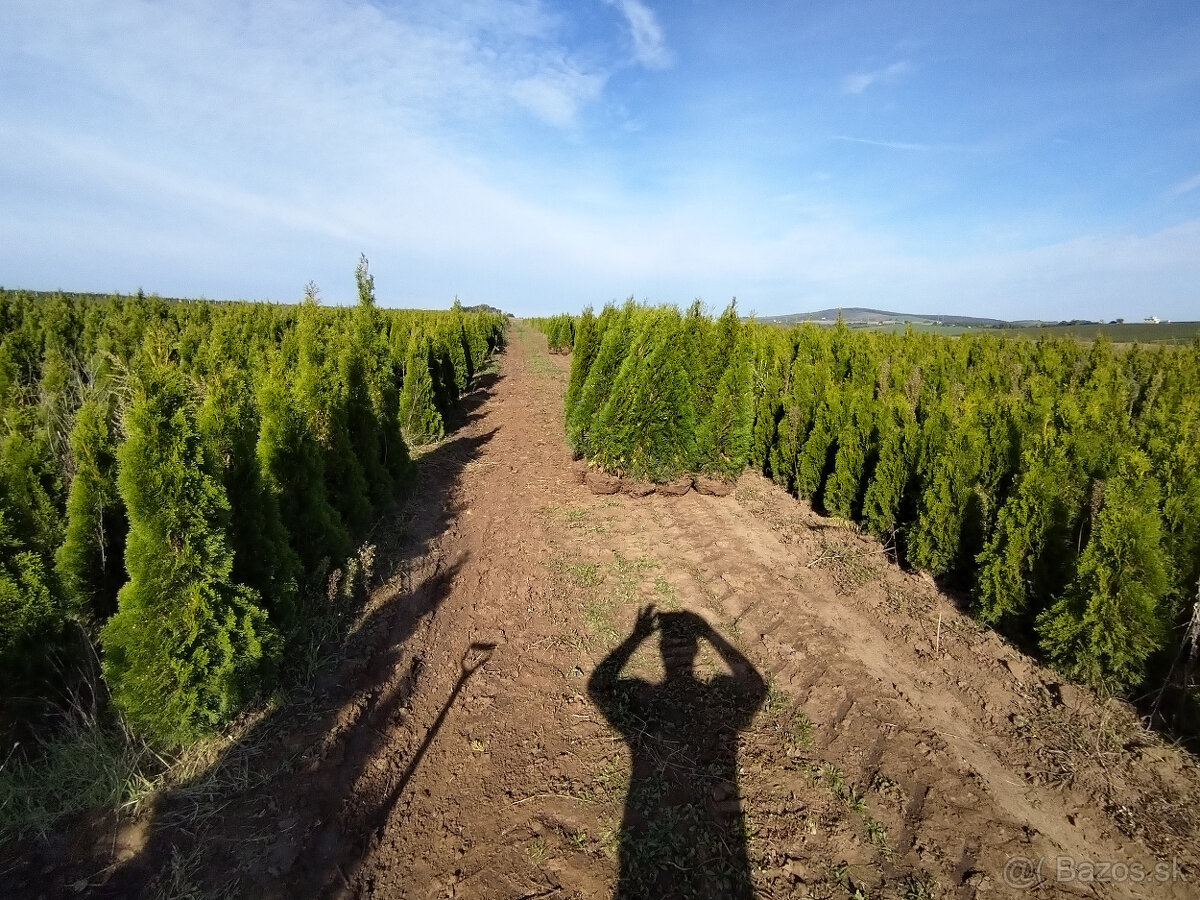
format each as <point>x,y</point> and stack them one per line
<point>858,315</point>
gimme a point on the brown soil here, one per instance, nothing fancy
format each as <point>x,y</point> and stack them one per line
<point>899,749</point>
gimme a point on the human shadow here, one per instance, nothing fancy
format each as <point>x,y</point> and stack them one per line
<point>682,834</point>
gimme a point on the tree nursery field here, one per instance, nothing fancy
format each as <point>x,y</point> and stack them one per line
<point>319,601</point>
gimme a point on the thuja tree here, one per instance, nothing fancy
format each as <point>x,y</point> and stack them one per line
<point>724,436</point>
<point>936,541</point>
<point>293,469</point>
<point>896,440</point>
<point>32,619</point>
<point>420,418</point>
<point>773,363</point>
<point>1031,541</point>
<point>814,460</point>
<point>321,394</point>
<point>90,561</point>
<point>187,642</point>
<point>647,428</point>
<point>854,442</point>
<point>1173,444</point>
<point>798,408</point>
<point>359,363</point>
<point>583,355</point>
<point>262,556</point>
<point>716,353</point>
<point>693,347</point>
<point>582,427</point>
<point>1108,623</point>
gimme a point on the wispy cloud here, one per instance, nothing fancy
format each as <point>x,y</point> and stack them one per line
<point>1186,186</point>
<point>860,81</point>
<point>416,61</point>
<point>914,146</point>
<point>649,44</point>
<point>557,96</point>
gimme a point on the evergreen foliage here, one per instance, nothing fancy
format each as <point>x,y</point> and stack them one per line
<point>724,436</point>
<point>600,377</point>
<point>647,426</point>
<point>1061,483</point>
<point>583,355</point>
<point>252,444</point>
<point>187,643</point>
<point>420,419</point>
<point>1108,623</point>
<point>90,561</point>
<point>895,442</point>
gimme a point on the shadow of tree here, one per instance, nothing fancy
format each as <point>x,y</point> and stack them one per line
<point>682,833</point>
<point>282,811</point>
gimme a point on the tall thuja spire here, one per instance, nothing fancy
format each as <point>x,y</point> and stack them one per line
<point>647,428</point>
<point>441,370</point>
<point>89,563</point>
<point>724,435</point>
<point>716,353</point>
<point>263,559</point>
<point>419,416</point>
<point>896,437</point>
<point>814,458</point>
<point>458,331</point>
<point>293,469</point>
<point>1172,439</point>
<point>360,363</point>
<point>693,340</point>
<point>1031,551</point>
<point>321,397</point>
<point>1109,622</point>
<point>799,407</point>
<point>774,359</point>
<point>31,616</point>
<point>842,493</point>
<point>583,355</point>
<point>187,642</point>
<point>582,427</point>
<point>449,340</point>
<point>936,540</point>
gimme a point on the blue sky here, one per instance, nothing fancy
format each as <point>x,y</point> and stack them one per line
<point>990,158</point>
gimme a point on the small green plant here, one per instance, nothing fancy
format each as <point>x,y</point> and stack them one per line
<point>877,834</point>
<point>800,734</point>
<point>536,851</point>
<point>663,588</point>
<point>776,702</point>
<point>920,887</point>
<point>583,575</point>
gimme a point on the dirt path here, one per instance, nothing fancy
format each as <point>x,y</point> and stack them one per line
<point>456,751</point>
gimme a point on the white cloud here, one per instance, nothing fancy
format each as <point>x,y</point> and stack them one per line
<point>917,146</point>
<point>421,62</point>
<point>1186,186</point>
<point>557,97</point>
<point>649,44</point>
<point>860,81</point>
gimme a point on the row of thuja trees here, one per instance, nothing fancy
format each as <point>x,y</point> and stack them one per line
<point>1059,481</point>
<point>179,479</point>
